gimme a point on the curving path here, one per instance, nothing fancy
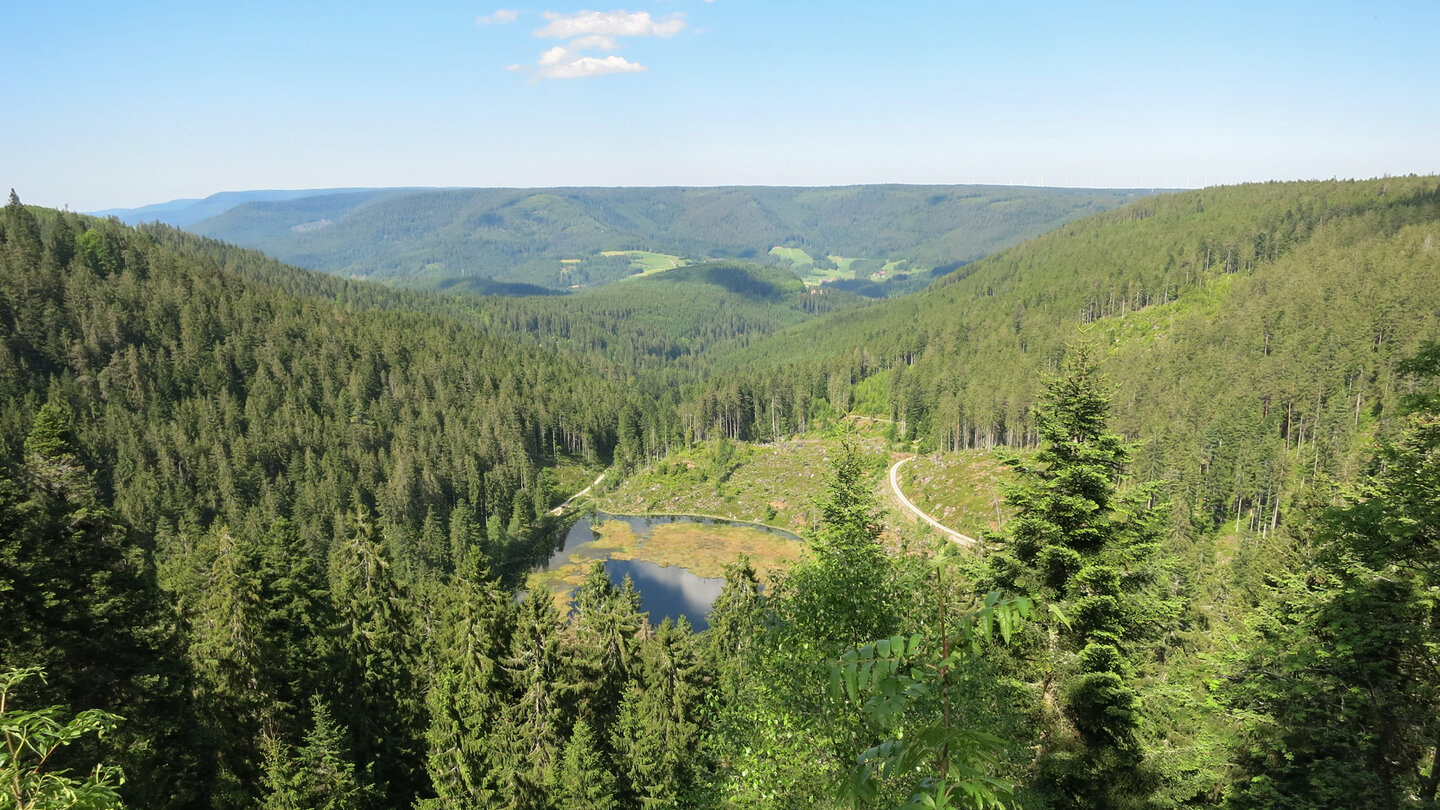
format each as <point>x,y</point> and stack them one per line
<point>582,493</point>
<point>963,540</point>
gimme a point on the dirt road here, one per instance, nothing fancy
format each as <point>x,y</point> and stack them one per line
<point>963,540</point>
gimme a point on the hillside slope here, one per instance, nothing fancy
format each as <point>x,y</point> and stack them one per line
<point>522,235</point>
<point>1252,332</point>
<point>187,212</point>
<point>167,347</point>
<point>671,328</point>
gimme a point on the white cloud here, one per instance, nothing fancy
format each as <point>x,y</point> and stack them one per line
<point>597,42</point>
<point>515,68</point>
<point>504,16</point>
<point>588,31</point>
<point>609,23</point>
<point>586,66</point>
<point>555,56</point>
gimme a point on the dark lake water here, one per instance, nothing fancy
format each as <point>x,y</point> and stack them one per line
<point>667,591</point>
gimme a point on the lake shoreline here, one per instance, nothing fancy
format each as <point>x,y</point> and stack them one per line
<point>696,549</point>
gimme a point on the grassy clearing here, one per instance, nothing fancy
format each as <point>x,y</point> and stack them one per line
<point>795,256</point>
<point>893,266</point>
<point>569,476</point>
<point>1156,322</point>
<point>773,484</point>
<point>961,490</point>
<point>647,263</point>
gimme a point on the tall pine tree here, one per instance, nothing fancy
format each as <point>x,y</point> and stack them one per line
<point>1079,543</point>
<point>473,621</point>
<point>381,693</point>
<point>319,775</point>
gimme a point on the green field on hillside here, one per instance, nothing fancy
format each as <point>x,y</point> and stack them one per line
<point>534,236</point>
<point>796,256</point>
<point>835,268</point>
<point>763,483</point>
<point>646,263</point>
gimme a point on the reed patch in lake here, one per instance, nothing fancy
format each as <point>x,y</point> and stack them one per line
<point>701,547</point>
<point>704,549</point>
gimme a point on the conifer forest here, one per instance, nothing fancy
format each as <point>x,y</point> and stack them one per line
<point>269,535</point>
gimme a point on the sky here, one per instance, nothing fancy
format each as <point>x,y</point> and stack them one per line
<point>126,104</point>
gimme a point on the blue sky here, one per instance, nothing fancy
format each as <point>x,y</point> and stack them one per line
<point>124,104</point>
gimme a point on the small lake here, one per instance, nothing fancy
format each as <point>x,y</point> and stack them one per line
<point>636,550</point>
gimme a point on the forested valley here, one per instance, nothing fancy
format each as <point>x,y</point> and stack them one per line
<point>556,239</point>
<point>264,531</point>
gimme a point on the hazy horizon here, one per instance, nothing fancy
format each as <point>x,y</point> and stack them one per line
<point>123,107</point>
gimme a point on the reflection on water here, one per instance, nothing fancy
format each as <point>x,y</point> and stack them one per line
<point>580,533</point>
<point>667,591</point>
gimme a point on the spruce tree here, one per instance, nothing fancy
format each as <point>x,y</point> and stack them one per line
<point>839,598</point>
<point>657,734</point>
<point>377,627</point>
<point>472,626</point>
<point>21,234</point>
<point>530,735</point>
<point>733,623</point>
<point>320,775</point>
<point>1079,544</point>
<point>298,622</point>
<point>584,780</point>
<point>606,622</point>
<point>219,597</point>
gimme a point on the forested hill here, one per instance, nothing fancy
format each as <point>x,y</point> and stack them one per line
<point>181,408</point>
<point>184,213</point>
<point>671,329</point>
<point>1252,333</point>
<point>556,237</point>
<point>213,374</point>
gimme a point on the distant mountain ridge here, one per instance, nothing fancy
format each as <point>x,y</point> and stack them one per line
<point>186,212</point>
<point>564,238</point>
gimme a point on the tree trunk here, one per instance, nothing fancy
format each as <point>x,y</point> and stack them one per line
<point>1432,783</point>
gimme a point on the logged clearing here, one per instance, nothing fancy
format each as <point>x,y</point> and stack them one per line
<point>960,490</point>
<point>773,484</point>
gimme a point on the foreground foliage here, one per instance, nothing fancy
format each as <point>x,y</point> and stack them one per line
<point>28,778</point>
